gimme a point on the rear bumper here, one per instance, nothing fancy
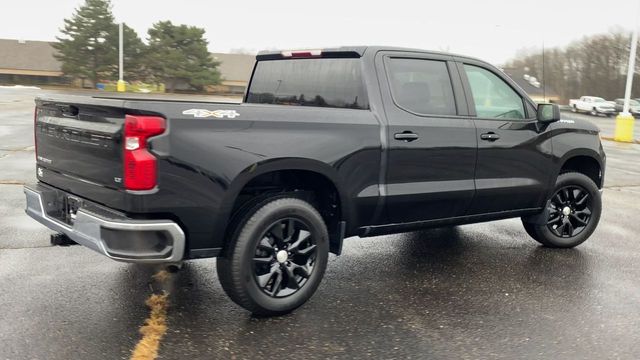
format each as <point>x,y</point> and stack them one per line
<point>107,231</point>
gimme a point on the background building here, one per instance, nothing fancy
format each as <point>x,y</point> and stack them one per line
<point>28,63</point>
<point>33,63</point>
<point>236,71</point>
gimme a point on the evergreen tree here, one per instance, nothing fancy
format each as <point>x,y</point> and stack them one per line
<point>178,53</point>
<point>134,54</point>
<point>88,47</point>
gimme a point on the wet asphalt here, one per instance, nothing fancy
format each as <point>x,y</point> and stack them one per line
<point>468,292</point>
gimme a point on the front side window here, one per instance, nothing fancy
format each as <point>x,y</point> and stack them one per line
<point>324,82</point>
<point>493,97</point>
<point>422,86</point>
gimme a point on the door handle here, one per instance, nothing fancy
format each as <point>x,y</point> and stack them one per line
<point>406,135</point>
<point>490,136</point>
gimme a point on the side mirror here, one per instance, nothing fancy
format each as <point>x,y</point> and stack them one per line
<point>548,113</point>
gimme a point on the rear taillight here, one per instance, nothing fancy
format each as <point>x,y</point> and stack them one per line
<point>139,164</point>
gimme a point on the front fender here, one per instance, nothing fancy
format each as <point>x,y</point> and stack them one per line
<point>579,138</point>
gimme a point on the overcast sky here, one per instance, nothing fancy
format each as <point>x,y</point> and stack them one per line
<point>488,29</point>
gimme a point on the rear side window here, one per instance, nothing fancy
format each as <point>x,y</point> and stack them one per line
<point>422,86</point>
<point>322,82</point>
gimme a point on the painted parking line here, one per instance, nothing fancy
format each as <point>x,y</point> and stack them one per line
<point>611,138</point>
<point>155,326</point>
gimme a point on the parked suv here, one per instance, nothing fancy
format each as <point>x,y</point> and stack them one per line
<point>328,144</point>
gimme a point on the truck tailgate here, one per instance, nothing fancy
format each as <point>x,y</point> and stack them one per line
<point>81,139</point>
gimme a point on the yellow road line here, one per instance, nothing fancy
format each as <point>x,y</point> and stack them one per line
<point>155,326</point>
<point>11,182</point>
<point>611,138</point>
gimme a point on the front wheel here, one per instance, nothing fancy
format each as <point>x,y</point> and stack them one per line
<point>276,258</point>
<point>574,212</point>
<point>594,112</point>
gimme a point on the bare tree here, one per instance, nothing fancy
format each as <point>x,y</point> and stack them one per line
<point>595,65</point>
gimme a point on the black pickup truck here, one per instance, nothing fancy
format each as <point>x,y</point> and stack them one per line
<point>328,144</point>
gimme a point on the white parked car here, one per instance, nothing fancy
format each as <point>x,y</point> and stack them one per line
<point>593,105</point>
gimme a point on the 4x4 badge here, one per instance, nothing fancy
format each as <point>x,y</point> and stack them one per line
<point>203,113</point>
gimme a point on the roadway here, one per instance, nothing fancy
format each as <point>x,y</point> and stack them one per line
<point>474,291</point>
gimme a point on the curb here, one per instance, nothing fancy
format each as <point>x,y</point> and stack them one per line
<point>611,138</point>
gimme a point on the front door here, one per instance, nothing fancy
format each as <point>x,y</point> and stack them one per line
<point>514,151</point>
<point>431,139</point>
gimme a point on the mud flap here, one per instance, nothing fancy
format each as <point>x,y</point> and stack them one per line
<point>336,239</point>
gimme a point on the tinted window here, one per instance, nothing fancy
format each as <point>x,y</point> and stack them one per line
<point>493,97</point>
<point>309,82</point>
<point>422,86</point>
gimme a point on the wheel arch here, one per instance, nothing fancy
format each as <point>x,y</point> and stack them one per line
<point>584,161</point>
<point>323,178</point>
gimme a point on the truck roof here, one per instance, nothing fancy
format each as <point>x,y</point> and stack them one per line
<point>353,51</point>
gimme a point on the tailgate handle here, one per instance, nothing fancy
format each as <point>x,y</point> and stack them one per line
<point>68,110</point>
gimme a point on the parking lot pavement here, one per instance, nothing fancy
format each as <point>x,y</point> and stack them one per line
<point>607,125</point>
<point>473,291</point>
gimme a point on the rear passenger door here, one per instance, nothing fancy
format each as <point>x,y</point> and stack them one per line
<point>514,151</point>
<point>431,140</point>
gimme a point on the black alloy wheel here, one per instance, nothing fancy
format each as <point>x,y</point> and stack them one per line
<point>276,257</point>
<point>572,213</point>
<point>569,211</point>
<point>284,258</point>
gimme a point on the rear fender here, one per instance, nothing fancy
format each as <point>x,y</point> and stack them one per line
<point>272,165</point>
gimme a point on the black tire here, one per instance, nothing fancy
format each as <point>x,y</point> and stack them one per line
<point>574,109</point>
<point>594,112</point>
<point>263,232</point>
<point>570,186</point>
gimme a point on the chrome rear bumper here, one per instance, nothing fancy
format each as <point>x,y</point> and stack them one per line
<point>109,232</point>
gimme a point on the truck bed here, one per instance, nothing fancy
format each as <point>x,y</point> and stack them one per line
<point>203,158</point>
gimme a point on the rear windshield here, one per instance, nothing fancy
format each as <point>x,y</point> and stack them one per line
<point>322,82</point>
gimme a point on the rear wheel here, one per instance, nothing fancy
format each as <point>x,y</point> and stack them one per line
<point>574,109</point>
<point>594,112</point>
<point>277,257</point>
<point>574,212</point>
